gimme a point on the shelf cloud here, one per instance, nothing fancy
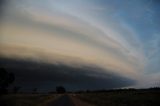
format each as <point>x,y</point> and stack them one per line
<point>102,34</point>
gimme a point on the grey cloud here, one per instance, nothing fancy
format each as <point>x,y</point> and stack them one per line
<point>30,74</point>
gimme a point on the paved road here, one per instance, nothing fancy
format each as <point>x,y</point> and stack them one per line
<point>64,100</point>
<point>67,100</point>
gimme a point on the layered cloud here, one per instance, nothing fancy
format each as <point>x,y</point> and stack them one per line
<point>63,32</point>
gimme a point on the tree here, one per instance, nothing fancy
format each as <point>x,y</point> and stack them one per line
<point>60,89</point>
<point>35,90</point>
<point>6,79</point>
<point>16,89</point>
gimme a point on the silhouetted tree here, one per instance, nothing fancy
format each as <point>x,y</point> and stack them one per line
<point>16,89</point>
<point>5,80</point>
<point>60,89</point>
<point>35,90</point>
<point>88,91</point>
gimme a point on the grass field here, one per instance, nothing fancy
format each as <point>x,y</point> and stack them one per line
<point>122,98</point>
<point>26,99</point>
<point>109,98</point>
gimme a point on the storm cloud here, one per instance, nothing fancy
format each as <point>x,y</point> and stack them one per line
<point>98,38</point>
<point>30,74</point>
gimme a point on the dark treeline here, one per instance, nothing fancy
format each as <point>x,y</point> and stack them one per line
<point>119,90</point>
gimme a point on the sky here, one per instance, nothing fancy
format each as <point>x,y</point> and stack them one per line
<point>82,44</point>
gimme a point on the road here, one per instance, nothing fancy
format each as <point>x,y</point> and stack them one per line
<point>67,100</point>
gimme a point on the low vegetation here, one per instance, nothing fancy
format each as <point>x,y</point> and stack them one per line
<point>122,98</point>
<point>26,99</point>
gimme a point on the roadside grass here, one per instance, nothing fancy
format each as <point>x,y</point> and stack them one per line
<point>123,98</point>
<point>27,99</point>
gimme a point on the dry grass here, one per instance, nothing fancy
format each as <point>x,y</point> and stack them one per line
<point>27,99</point>
<point>124,98</point>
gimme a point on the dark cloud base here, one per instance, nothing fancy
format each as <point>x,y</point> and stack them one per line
<point>30,74</point>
